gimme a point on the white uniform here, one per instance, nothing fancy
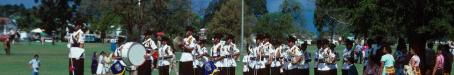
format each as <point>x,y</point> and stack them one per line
<point>275,61</point>
<point>164,51</point>
<point>247,62</point>
<point>198,62</point>
<point>149,43</point>
<point>76,37</point>
<point>322,66</point>
<point>252,58</point>
<point>304,64</point>
<point>75,40</point>
<point>216,52</point>
<point>190,42</point>
<point>292,52</point>
<point>228,50</point>
<point>259,62</point>
<point>347,54</point>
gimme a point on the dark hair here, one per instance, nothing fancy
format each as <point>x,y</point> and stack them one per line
<point>430,45</point>
<point>387,47</point>
<point>304,46</point>
<point>36,56</point>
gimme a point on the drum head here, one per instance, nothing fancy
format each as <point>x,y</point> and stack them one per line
<point>133,54</point>
<point>136,54</point>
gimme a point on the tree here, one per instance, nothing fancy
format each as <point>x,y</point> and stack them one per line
<point>277,25</point>
<point>54,15</point>
<point>228,19</point>
<point>257,7</point>
<point>419,21</point>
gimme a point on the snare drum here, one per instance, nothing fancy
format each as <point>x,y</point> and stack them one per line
<point>133,54</point>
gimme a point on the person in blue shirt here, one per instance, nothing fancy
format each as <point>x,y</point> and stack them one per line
<point>400,56</point>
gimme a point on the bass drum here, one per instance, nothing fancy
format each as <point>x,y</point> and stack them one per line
<point>133,54</point>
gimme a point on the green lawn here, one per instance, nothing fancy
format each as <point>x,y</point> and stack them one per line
<point>54,58</point>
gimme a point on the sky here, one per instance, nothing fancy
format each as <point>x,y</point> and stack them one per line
<point>199,5</point>
<point>27,3</point>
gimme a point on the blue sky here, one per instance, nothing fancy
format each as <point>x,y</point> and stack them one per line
<point>27,3</point>
<point>199,5</point>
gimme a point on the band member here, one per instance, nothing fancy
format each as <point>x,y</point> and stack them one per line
<point>231,53</point>
<point>253,55</point>
<point>316,58</point>
<point>276,64</point>
<point>293,55</point>
<point>247,62</point>
<point>165,54</point>
<point>216,55</point>
<point>118,67</point>
<point>158,36</point>
<point>265,50</point>
<point>326,59</point>
<point>303,67</point>
<point>333,64</point>
<point>189,44</point>
<point>150,46</point>
<point>76,54</point>
<point>257,53</point>
<point>199,57</point>
<point>347,55</point>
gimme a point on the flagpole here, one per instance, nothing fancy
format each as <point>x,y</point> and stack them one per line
<point>242,24</point>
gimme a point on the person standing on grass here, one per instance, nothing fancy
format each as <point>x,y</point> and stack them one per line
<point>414,62</point>
<point>448,59</point>
<point>165,55</point>
<point>34,64</point>
<point>247,62</point>
<point>439,62</point>
<point>200,56</point>
<point>306,58</point>
<point>76,53</point>
<point>316,57</point>
<point>94,63</point>
<point>231,53</point>
<point>188,45</point>
<point>429,53</point>
<point>348,53</point>
<point>150,46</point>
<point>400,56</point>
<point>387,61</point>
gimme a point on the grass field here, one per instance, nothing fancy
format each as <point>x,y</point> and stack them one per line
<point>54,59</point>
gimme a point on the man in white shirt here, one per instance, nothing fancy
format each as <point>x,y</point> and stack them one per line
<point>189,44</point>
<point>199,57</point>
<point>347,55</point>
<point>303,66</point>
<point>216,56</point>
<point>294,54</point>
<point>326,59</point>
<point>268,50</point>
<point>34,64</point>
<point>165,55</point>
<point>231,53</point>
<point>150,46</point>
<point>76,54</point>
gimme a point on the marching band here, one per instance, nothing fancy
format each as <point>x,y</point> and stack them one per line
<point>262,57</point>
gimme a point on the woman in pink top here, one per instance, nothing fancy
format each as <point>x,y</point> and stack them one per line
<point>439,62</point>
